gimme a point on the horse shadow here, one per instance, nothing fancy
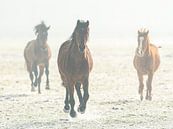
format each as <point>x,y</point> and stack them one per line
<point>12,96</point>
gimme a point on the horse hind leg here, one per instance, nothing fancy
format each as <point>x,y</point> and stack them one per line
<point>47,77</point>
<point>36,74</point>
<point>81,107</point>
<point>41,67</point>
<point>141,86</point>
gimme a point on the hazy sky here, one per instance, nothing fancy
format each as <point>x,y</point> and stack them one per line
<point>108,18</point>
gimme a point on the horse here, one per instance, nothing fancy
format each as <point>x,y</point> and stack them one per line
<point>37,54</point>
<point>75,63</point>
<point>146,62</point>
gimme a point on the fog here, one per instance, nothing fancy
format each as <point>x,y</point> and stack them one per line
<point>109,19</point>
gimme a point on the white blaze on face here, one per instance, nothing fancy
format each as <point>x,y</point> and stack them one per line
<point>139,50</point>
<point>141,39</point>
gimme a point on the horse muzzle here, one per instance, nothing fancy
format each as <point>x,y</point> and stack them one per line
<point>139,53</point>
<point>81,49</point>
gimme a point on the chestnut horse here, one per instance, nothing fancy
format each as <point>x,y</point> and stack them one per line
<point>75,63</point>
<point>146,62</point>
<point>37,53</point>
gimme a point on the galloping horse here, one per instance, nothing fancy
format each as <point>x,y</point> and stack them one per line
<point>37,53</point>
<point>75,63</point>
<point>146,62</point>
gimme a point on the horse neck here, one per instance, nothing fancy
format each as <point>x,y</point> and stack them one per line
<point>40,42</point>
<point>74,51</point>
<point>148,47</point>
<point>38,46</point>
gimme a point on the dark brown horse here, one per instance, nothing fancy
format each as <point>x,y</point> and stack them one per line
<point>37,53</point>
<point>146,62</point>
<point>75,63</point>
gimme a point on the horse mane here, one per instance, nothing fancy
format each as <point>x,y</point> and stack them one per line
<point>40,27</point>
<point>144,31</point>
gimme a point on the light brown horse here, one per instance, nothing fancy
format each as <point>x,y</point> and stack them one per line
<point>37,53</point>
<point>75,63</point>
<point>146,62</point>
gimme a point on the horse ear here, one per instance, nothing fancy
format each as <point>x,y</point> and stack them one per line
<point>48,27</point>
<point>147,32</point>
<point>78,21</point>
<point>36,32</point>
<point>87,23</point>
<point>138,32</point>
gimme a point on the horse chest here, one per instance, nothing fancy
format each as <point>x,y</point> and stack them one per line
<point>144,64</point>
<point>77,67</point>
<point>41,56</point>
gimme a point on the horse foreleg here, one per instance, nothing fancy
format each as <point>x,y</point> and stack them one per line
<point>149,86</point>
<point>141,85</point>
<point>31,78</point>
<point>66,107</point>
<point>72,101</point>
<point>41,67</point>
<point>35,73</point>
<point>29,69</point>
<point>79,94</point>
<point>86,93</point>
<point>47,76</point>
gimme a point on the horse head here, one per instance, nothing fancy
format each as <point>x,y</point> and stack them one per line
<point>143,42</point>
<point>41,31</point>
<point>80,34</point>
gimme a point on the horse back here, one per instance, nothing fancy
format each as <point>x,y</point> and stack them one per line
<point>29,50</point>
<point>32,54</point>
<point>63,51</point>
<point>155,56</point>
<point>61,60</point>
<point>48,51</point>
<point>89,59</point>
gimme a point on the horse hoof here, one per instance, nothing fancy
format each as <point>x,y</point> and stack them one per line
<point>32,89</point>
<point>47,88</point>
<point>66,109</point>
<point>141,98</point>
<point>149,98</point>
<point>73,114</point>
<point>35,84</point>
<point>81,110</point>
<point>146,98</point>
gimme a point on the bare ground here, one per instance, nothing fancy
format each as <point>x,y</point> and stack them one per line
<point>114,101</point>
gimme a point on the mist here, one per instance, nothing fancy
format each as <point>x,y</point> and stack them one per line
<point>109,19</point>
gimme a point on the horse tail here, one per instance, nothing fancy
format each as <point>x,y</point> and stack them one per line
<point>26,61</point>
<point>49,52</point>
<point>63,84</point>
<point>64,81</point>
<point>25,57</point>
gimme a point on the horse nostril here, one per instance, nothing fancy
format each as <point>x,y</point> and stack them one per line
<point>139,52</point>
<point>82,48</point>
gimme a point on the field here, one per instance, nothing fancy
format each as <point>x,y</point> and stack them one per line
<point>114,100</point>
